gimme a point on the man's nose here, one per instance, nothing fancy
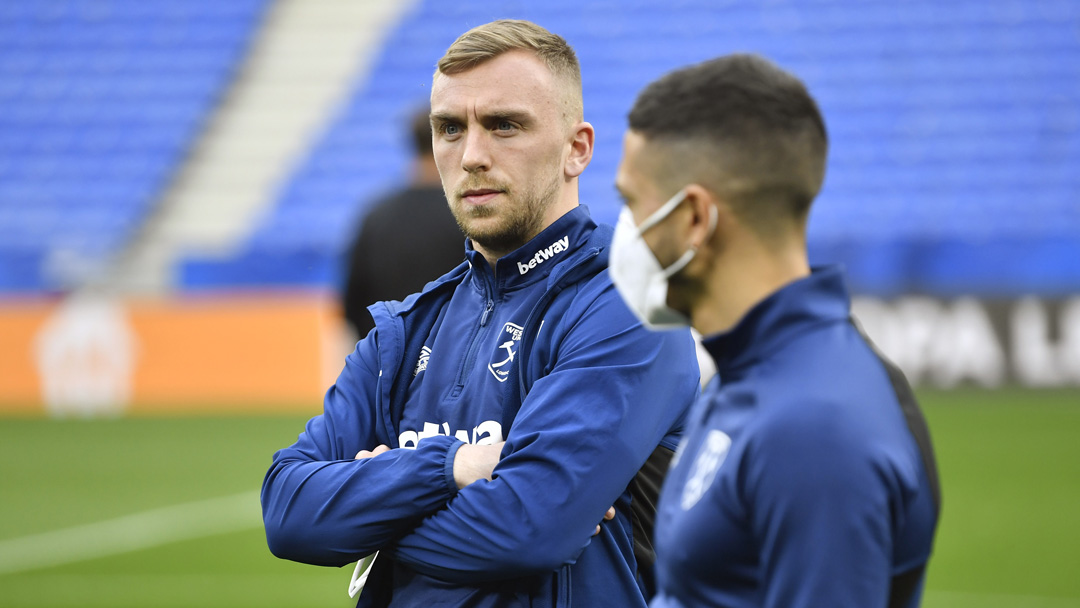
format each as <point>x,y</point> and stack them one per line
<point>477,155</point>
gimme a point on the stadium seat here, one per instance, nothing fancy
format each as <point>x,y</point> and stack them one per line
<point>98,103</point>
<point>938,118</point>
<point>954,128</point>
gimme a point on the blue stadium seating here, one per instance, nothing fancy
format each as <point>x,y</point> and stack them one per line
<point>955,130</point>
<point>98,103</point>
<point>955,127</point>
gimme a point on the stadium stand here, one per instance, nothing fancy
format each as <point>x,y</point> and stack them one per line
<point>98,103</point>
<point>955,129</point>
<point>955,132</point>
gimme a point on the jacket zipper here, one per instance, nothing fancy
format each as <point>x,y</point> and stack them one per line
<point>474,344</point>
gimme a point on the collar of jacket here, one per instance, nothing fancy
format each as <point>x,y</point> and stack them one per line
<point>796,307</point>
<point>588,253</point>
<point>401,327</point>
<point>536,260</point>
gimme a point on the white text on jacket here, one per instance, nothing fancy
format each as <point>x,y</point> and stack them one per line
<point>558,246</point>
<point>487,432</point>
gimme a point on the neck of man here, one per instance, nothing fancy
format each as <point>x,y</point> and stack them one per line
<point>748,271</point>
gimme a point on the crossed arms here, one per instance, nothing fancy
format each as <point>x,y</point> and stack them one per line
<point>580,436</point>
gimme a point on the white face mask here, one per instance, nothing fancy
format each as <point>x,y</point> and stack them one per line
<point>637,274</point>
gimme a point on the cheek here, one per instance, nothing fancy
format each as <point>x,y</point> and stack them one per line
<point>666,243</point>
<point>545,159</point>
<point>657,245</point>
<point>516,159</point>
<point>446,156</point>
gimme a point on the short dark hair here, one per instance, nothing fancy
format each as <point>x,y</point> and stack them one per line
<point>420,129</point>
<point>755,134</point>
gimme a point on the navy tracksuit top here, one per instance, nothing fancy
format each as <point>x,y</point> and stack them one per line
<point>806,477</point>
<point>542,353</point>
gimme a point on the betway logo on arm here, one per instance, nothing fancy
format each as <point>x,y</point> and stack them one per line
<point>542,255</point>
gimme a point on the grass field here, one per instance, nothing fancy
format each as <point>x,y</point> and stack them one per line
<point>164,512</point>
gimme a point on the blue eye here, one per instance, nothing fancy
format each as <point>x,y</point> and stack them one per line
<point>451,130</point>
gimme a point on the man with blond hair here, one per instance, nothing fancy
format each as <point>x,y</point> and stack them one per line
<point>478,435</point>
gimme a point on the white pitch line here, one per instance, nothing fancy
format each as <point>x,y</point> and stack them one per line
<point>131,532</point>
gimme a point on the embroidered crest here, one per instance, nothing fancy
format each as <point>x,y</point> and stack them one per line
<point>503,359</point>
<point>708,462</point>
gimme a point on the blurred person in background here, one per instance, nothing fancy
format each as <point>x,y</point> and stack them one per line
<point>413,227</point>
<point>806,477</point>
<point>480,433</point>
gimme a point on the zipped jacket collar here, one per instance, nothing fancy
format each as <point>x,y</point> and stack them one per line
<point>403,326</point>
<point>821,297</point>
<point>535,260</point>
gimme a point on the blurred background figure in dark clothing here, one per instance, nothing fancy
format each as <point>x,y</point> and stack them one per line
<point>405,240</point>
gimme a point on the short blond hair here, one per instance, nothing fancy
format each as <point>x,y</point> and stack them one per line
<point>486,42</point>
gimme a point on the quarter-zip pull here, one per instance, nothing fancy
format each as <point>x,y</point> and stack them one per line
<point>474,343</point>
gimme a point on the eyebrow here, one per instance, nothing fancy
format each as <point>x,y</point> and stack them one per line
<point>511,114</point>
<point>517,115</point>
<point>435,117</point>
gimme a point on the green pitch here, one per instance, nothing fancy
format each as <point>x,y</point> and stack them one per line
<point>183,529</point>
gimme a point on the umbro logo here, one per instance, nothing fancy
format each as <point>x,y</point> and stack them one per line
<point>421,363</point>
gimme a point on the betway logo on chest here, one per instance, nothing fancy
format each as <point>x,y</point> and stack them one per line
<point>544,254</point>
<point>488,432</point>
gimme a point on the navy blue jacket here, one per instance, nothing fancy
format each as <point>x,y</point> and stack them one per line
<point>542,353</point>
<point>806,478</point>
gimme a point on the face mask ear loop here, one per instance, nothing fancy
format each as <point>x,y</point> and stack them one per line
<point>661,213</point>
<point>681,263</point>
<point>714,217</point>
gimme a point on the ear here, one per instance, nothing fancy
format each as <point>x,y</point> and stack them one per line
<point>711,216</point>
<point>581,149</point>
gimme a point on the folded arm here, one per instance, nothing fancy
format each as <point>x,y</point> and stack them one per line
<point>581,435</point>
<point>323,506</point>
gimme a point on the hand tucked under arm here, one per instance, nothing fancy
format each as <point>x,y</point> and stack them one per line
<point>582,433</point>
<point>365,454</point>
<point>608,516</point>
<point>321,507</point>
<point>471,462</point>
<point>475,462</point>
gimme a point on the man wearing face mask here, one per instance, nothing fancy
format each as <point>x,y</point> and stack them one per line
<point>806,477</point>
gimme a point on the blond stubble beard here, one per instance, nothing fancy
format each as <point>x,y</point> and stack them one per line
<point>523,217</point>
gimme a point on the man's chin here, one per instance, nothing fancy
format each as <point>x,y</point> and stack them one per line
<point>494,238</point>
<point>472,223</point>
<point>488,237</point>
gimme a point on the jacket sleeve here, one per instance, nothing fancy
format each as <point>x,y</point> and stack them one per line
<point>582,433</point>
<point>822,503</point>
<point>320,506</point>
